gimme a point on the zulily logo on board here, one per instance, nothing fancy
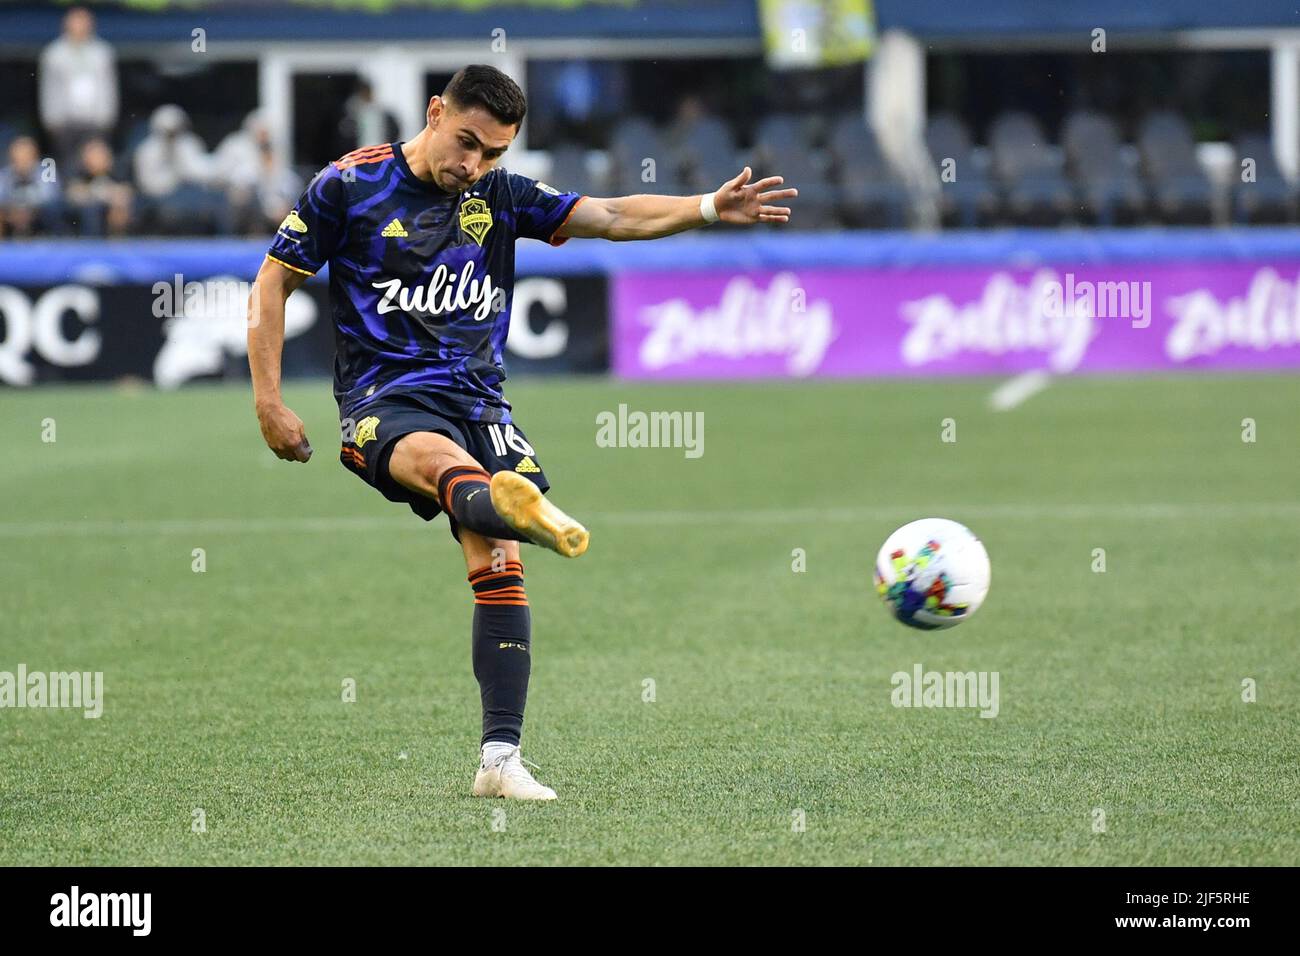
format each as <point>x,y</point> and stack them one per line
<point>748,322</point>
<point>1266,317</point>
<point>1007,317</point>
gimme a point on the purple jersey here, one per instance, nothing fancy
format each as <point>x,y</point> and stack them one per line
<point>421,280</point>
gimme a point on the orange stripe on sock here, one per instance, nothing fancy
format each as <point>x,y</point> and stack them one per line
<point>502,592</point>
<point>458,480</point>
<point>479,575</point>
<point>498,576</point>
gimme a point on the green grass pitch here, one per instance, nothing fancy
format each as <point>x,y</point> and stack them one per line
<point>1120,691</point>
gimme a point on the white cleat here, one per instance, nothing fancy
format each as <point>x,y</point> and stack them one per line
<point>508,777</point>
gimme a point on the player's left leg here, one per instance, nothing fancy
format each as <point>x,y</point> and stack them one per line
<point>502,654</point>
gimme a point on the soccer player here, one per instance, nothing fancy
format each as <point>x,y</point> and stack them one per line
<point>419,237</point>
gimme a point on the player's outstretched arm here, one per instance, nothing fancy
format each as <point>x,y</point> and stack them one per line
<point>284,431</point>
<point>624,218</point>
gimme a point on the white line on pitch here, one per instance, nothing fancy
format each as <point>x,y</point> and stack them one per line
<point>1070,512</point>
<point>1019,389</point>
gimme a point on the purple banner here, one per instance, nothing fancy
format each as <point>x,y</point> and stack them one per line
<point>1122,317</point>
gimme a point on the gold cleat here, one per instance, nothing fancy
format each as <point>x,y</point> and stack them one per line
<point>521,504</point>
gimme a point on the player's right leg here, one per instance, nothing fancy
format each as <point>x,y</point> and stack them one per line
<point>529,512</point>
<point>505,505</point>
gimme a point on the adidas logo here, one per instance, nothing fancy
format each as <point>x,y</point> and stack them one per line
<point>527,465</point>
<point>393,229</point>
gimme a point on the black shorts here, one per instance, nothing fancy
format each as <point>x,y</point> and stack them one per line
<point>370,436</point>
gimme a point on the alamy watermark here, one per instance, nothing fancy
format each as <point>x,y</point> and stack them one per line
<point>922,688</point>
<point>130,910</point>
<point>634,429</point>
<point>216,298</point>
<point>1101,300</point>
<point>74,689</point>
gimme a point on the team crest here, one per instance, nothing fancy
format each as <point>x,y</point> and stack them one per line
<point>293,221</point>
<point>475,219</point>
<point>366,430</point>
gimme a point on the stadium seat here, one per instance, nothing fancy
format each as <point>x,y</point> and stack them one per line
<point>969,199</point>
<point>706,150</point>
<point>641,160</point>
<point>871,194</point>
<point>1270,198</point>
<point>1109,188</point>
<point>784,147</point>
<point>569,170</point>
<point>8,133</point>
<point>1180,189</point>
<point>1029,170</point>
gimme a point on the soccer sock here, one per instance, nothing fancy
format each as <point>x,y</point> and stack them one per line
<point>494,750</point>
<point>502,649</point>
<point>463,494</point>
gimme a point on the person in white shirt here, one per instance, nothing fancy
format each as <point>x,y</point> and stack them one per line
<point>259,187</point>
<point>77,86</point>
<point>171,155</point>
<point>176,178</point>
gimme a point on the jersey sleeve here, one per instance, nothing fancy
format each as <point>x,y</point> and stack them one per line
<point>314,229</point>
<point>540,210</point>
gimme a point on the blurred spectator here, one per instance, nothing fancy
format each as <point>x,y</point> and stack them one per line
<point>173,173</point>
<point>583,93</point>
<point>277,190</point>
<point>365,122</point>
<point>78,86</point>
<point>100,203</point>
<point>171,155</point>
<point>259,187</point>
<point>689,113</point>
<point>29,194</point>
<point>575,101</point>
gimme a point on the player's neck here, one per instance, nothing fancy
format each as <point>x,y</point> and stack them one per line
<point>413,151</point>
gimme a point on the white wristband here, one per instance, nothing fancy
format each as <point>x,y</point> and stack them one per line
<point>707,210</point>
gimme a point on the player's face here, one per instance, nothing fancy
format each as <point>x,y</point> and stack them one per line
<point>465,144</point>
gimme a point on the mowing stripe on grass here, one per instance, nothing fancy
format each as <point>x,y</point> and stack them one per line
<point>1283,510</point>
<point>1017,390</point>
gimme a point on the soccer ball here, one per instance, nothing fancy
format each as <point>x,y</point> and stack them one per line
<point>932,573</point>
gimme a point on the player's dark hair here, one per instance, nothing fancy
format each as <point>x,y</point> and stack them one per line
<point>486,86</point>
